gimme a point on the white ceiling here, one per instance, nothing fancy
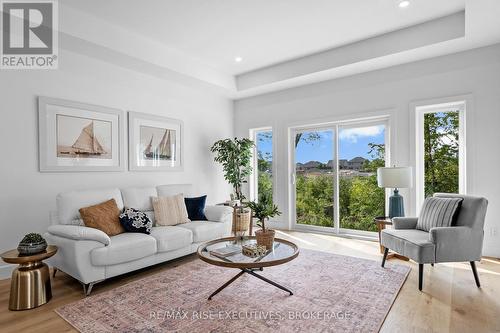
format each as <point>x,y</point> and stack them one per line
<point>262,32</point>
<point>283,43</point>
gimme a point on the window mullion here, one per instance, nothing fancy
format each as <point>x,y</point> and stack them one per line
<point>336,192</point>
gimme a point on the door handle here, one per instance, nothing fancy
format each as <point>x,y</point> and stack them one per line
<point>293,178</point>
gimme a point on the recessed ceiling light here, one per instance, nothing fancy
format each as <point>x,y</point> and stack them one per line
<point>238,59</point>
<point>404,4</point>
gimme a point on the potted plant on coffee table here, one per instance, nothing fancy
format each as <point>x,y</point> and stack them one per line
<point>263,210</point>
<point>235,156</point>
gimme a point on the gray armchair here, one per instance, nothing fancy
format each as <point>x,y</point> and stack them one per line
<point>462,242</point>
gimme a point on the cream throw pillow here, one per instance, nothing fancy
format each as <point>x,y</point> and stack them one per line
<point>170,210</point>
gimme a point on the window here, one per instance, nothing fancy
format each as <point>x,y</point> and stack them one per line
<point>440,153</point>
<point>263,164</point>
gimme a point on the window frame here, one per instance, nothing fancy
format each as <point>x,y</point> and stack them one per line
<point>420,111</point>
<point>254,177</point>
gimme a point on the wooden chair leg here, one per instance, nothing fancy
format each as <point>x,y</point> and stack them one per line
<point>420,276</point>
<point>474,271</point>
<point>386,251</point>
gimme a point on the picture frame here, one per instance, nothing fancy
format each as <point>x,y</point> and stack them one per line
<point>156,143</point>
<point>79,137</point>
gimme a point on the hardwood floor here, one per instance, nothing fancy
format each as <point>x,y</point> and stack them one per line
<point>449,302</point>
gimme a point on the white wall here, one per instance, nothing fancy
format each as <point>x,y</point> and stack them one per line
<point>27,196</point>
<point>392,90</point>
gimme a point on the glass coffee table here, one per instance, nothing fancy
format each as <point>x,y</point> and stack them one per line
<point>283,251</point>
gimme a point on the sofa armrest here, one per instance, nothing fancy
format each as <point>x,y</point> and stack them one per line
<point>218,213</point>
<point>450,235</point>
<point>73,258</point>
<point>404,222</point>
<point>457,243</point>
<point>79,233</point>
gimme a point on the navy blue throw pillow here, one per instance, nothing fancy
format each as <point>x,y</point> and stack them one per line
<point>196,208</point>
<point>134,220</point>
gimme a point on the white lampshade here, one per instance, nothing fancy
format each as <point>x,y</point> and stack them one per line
<point>395,177</point>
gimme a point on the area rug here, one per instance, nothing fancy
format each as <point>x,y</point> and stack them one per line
<point>332,293</point>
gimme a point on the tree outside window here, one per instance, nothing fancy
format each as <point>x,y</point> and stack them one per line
<point>441,152</point>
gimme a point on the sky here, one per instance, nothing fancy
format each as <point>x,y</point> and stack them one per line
<point>353,142</point>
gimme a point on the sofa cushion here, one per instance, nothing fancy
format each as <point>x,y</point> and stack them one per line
<point>133,220</point>
<point>170,190</point>
<point>139,197</point>
<point>218,213</point>
<point>170,210</point>
<point>124,247</point>
<point>196,208</point>
<point>169,238</point>
<point>151,215</point>
<point>411,243</point>
<point>68,203</point>
<point>104,216</point>
<point>204,230</point>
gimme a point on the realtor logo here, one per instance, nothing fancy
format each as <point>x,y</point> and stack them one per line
<point>29,34</point>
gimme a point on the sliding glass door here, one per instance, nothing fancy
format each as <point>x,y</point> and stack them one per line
<point>334,180</point>
<point>361,152</point>
<point>314,177</point>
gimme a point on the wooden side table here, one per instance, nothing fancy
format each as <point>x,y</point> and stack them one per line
<point>30,284</point>
<point>382,222</point>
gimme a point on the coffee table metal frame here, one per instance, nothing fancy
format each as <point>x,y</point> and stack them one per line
<point>246,267</point>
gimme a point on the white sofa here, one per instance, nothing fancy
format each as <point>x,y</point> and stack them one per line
<point>90,256</point>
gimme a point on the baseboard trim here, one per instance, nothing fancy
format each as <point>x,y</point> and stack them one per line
<point>6,271</point>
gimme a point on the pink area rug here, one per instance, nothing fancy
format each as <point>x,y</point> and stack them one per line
<point>332,293</point>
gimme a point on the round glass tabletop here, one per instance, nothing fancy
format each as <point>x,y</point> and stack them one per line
<point>227,252</point>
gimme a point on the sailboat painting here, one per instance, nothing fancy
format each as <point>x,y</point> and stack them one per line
<point>157,143</point>
<point>79,137</point>
<point>83,137</point>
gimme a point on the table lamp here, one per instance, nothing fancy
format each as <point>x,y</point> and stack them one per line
<point>395,177</point>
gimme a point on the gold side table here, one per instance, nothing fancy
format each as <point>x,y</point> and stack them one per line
<point>382,222</point>
<point>30,283</point>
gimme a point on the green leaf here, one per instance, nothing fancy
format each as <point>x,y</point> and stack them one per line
<point>235,156</point>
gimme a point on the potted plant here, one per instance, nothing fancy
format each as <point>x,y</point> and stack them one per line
<point>262,210</point>
<point>32,243</point>
<point>235,155</point>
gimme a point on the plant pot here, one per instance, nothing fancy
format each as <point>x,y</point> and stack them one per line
<point>265,238</point>
<point>242,219</point>
<point>31,248</point>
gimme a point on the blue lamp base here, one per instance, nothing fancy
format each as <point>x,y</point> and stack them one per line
<point>396,205</point>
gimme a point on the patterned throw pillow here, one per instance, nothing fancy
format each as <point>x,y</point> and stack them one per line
<point>134,220</point>
<point>438,212</point>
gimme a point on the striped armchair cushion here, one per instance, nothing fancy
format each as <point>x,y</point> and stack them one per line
<point>438,212</point>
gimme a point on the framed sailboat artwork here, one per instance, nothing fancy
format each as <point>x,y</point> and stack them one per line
<point>78,137</point>
<point>155,143</point>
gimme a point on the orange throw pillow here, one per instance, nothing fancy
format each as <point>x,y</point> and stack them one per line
<point>104,216</point>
